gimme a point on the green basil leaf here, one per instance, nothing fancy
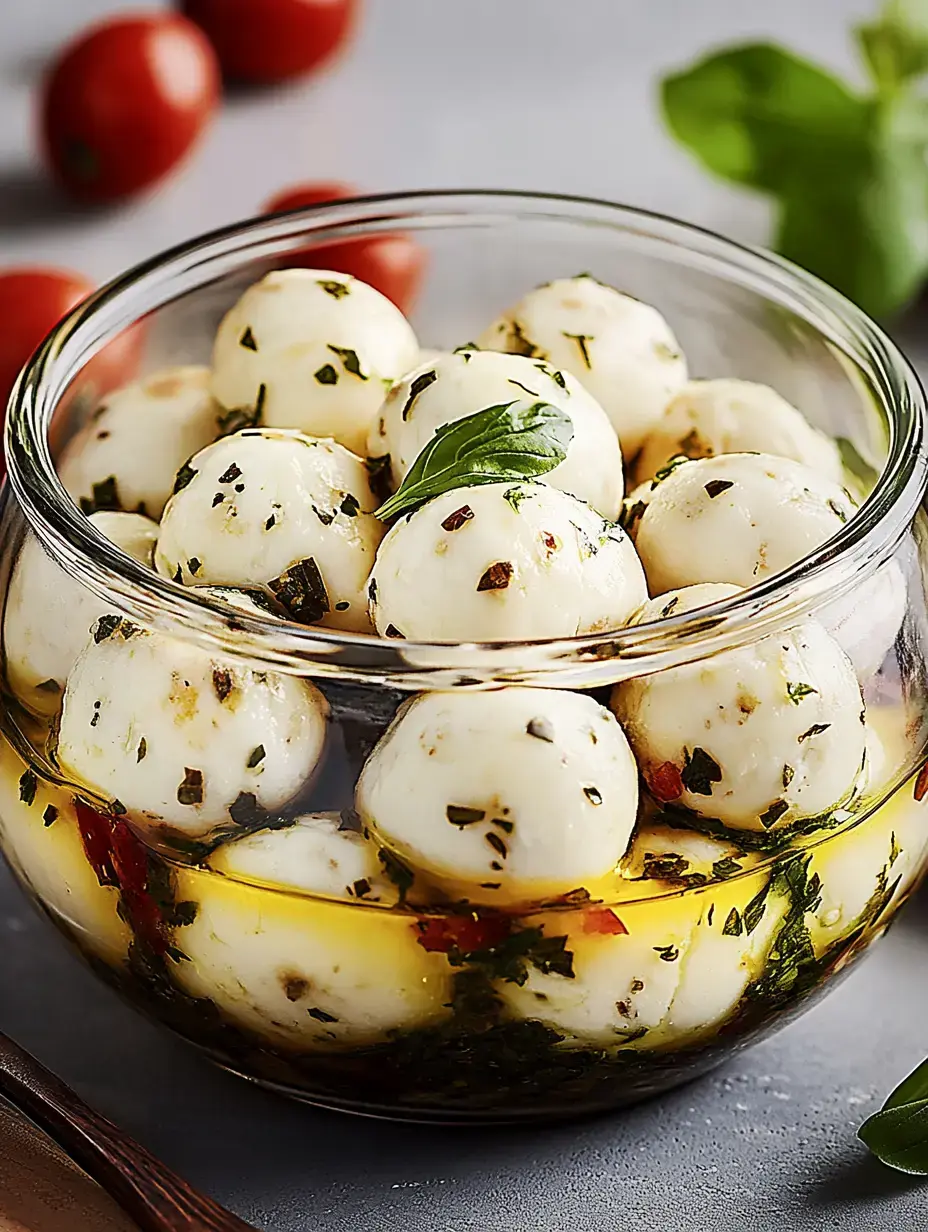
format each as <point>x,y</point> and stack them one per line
<point>761,116</point>
<point>512,441</point>
<point>898,1136</point>
<point>895,46</point>
<point>910,1089</point>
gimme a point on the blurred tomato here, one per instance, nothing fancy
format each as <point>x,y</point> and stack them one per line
<point>271,40</point>
<point>125,102</point>
<point>394,264</point>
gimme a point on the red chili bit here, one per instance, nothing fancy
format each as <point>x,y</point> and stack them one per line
<point>665,783</point>
<point>130,860</point>
<point>603,920</point>
<point>96,832</point>
<point>467,933</point>
<point>921,783</point>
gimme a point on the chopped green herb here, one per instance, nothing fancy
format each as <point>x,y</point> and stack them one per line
<point>796,692</point>
<point>238,418</point>
<point>815,730</point>
<point>668,469</point>
<point>321,1015</point>
<point>178,575</point>
<point>506,826</point>
<point>350,505</point>
<point>525,389</point>
<point>28,785</point>
<point>593,794</point>
<point>668,953</point>
<point>541,729</point>
<point>836,509</point>
<point>419,385</point>
<point>361,887</point>
<point>715,487</point>
<point>338,290</point>
<point>105,627</point>
<point>142,751</point>
<point>733,926</point>
<point>668,608</point>
<point>183,914</point>
<point>326,375</point>
<point>105,496</point>
<point>395,633</point>
<point>699,772</point>
<point>49,686</point>
<point>230,474</point>
<point>302,591</point>
<point>190,790</point>
<point>184,476</point>
<point>247,340</point>
<point>518,344</point>
<point>581,341</point>
<point>50,816</point>
<point>774,813</point>
<point>754,911</point>
<point>630,515</point>
<point>515,496</point>
<point>726,867</point>
<point>256,758</point>
<point>398,872</point>
<point>461,815</point>
<point>194,564</point>
<point>494,841</point>
<point>218,499</point>
<point>350,361</point>
<point>324,517</point>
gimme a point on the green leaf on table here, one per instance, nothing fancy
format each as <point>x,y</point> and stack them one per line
<point>512,441</point>
<point>849,172</point>
<point>910,1089</point>
<point>898,1136</point>
<point>895,45</point>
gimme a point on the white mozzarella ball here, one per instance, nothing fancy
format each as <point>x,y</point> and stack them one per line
<point>622,350</point>
<point>49,615</point>
<point>866,622</point>
<point>177,736</point>
<point>736,518</point>
<point>707,418</point>
<point>253,506</point>
<point>322,347</point>
<point>301,972</point>
<point>138,439</point>
<point>454,386</point>
<point>623,982</point>
<point>728,950</point>
<point>504,561</point>
<point>756,737</point>
<point>316,854</point>
<point>661,853</point>
<point>507,796</point>
<point>857,871</point>
<point>42,841</point>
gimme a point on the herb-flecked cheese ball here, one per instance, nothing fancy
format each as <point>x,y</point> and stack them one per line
<point>620,349</point>
<point>707,418</point>
<point>506,796</point>
<point>735,518</point>
<point>127,454</point>
<point>297,970</point>
<point>454,386</point>
<point>318,853</point>
<point>49,615</point>
<point>276,508</point>
<point>314,350</point>
<point>756,737</point>
<point>181,739</point>
<point>504,561</point>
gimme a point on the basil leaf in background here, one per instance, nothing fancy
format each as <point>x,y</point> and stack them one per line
<point>850,172</point>
<point>898,1137</point>
<point>512,441</point>
<point>895,46</point>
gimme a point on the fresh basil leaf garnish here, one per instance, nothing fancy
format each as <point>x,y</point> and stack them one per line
<point>511,441</point>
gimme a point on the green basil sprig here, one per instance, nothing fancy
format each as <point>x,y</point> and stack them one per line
<point>512,441</point>
<point>847,169</point>
<point>898,1134</point>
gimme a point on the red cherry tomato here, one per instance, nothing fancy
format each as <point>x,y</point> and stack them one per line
<point>271,40</point>
<point>125,102</point>
<point>393,264</point>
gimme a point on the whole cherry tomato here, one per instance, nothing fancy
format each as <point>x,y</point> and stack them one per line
<point>125,102</point>
<point>393,264</point>
<point>32,301</point>
<point>271,40</point>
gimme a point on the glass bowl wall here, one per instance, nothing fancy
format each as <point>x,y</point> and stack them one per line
<point>411,1001</point>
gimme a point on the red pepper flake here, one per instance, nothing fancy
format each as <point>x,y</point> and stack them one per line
<point>550,541</point>
<point>603,920</point>
<point>467,933</point>
<point>665,782</point>
<point>96,837</point>
<point>921,783</point>
<point>454,521</point>
<point>497,577</point>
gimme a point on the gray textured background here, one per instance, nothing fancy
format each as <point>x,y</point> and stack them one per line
<point>536,94</point>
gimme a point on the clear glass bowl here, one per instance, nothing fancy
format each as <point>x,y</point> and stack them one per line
<point>402,1000</point>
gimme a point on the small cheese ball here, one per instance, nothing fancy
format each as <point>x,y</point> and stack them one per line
<point>276,508</point>
<point>665,854</point>
<point>49,615</point>
<point>508,796</point>
<point>707,418</point>
<point>295,970</point>
<point>316,854</point>
<point>626,970</point>
<point>736,518</point>
<point>42,841</point>
<point>866,622</point>
<point>177,737</point>
<point>501,562</point>
<point>620,349</point>
<point>454,386</point>
<point>127,454</point>
<point>756,737</point>
<point>633,507</point>
<point>314,350</point>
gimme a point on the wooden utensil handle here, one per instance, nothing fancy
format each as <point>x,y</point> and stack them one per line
<point>154,1196</point>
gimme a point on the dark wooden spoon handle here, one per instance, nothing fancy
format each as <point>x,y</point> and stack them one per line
<point>146,1189</point>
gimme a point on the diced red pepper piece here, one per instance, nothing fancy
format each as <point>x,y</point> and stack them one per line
<point>603,920</point>
<point>665,782</point>
<point>467,933</point>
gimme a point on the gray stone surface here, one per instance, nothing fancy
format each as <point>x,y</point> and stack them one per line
<point>520,94</point>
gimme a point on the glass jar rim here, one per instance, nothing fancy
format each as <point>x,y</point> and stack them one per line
<point>828,573</point>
